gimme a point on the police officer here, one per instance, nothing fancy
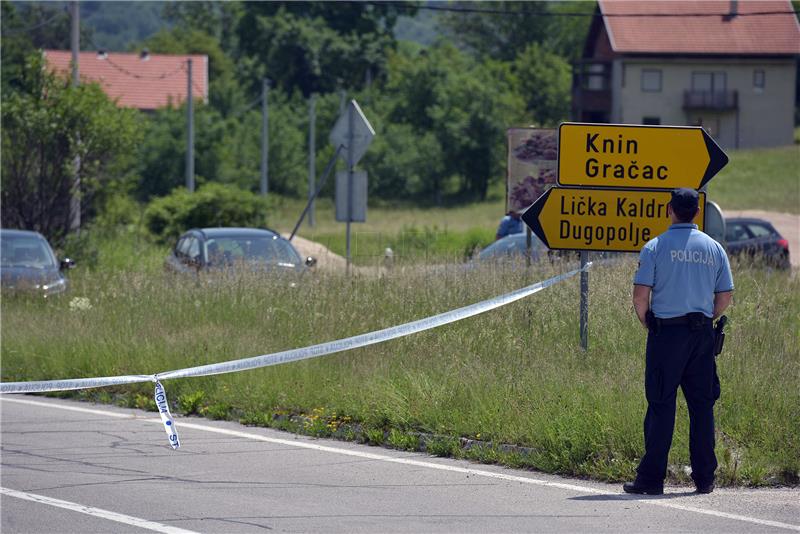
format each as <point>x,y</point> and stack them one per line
<point>683,282</point>
<point>510,224</point>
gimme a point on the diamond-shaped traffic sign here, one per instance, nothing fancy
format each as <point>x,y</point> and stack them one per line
<point>362,133</point>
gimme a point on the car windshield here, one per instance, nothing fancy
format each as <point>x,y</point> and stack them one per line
<point>26,251</point>
<point>221,250</point>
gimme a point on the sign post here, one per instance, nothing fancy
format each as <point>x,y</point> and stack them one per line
<point>354,133</point>
<point>615,183</point>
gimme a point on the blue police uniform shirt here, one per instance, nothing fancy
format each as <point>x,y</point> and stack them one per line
<point>684,267</point>
<point>509,225</point>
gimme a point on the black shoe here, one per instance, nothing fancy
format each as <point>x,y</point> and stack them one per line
<point>705,488</point>
<point>635,487</point>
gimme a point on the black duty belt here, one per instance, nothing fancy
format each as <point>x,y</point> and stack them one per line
<point>682,320</point>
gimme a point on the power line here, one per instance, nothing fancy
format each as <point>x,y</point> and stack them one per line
<point>487,11</point>
<point>245,109</point>
<point>142,77</point>
<point>194,82</point>
<point>133,74</point>
<point>36,26</point>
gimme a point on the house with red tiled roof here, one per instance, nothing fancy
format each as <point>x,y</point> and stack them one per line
<point>143,81</point>
<point>727,65</point>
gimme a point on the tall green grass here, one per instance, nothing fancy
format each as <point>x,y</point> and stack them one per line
<point>759,179</point>
<point>515,375</point>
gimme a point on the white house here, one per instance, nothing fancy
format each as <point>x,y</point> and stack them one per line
<point>727,65</point>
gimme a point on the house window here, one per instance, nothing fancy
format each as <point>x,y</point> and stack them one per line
<point>759,80</point>
<point>651,80</point>
<point>595,78</point>
<point>711,82</point>
<point>651,120</point>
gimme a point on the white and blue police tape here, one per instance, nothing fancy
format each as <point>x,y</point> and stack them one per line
<point>160,397</point>
<point>370,338</point>
<point>287,356</point>
<point>42,386</point>
<point>313,351</point>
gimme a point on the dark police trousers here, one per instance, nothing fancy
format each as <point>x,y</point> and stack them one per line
<point>679,355</point>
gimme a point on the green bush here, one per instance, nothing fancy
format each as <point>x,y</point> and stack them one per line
<point>211,205</point>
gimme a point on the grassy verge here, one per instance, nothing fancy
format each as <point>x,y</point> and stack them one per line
<point>514,376</point>
<point>762,179</point>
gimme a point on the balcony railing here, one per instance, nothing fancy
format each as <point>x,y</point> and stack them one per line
<point>711,100</point>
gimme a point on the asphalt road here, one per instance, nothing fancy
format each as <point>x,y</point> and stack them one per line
<point>77,467</point>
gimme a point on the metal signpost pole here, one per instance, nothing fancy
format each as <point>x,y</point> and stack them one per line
<point>264,136</point>
<point>350,164</point>
<point>312,155</point>
<point>190,129</point>
<point>75,199</point>
<point>584,313</point>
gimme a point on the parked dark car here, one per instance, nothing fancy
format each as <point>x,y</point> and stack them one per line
<point>235,249</point>
<point>29,265</point>
<point>512,247</point>
<point>757,239</point>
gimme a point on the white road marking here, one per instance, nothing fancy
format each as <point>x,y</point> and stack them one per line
<point>96,512</point>
<point>420,463</point>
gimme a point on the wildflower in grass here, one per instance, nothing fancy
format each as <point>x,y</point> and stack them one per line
<point>80,304</point>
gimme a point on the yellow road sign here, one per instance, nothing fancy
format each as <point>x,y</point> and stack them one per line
<point>567,218</point>
<point>640,157</point>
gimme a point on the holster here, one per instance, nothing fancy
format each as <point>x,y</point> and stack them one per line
<point>719,335</point>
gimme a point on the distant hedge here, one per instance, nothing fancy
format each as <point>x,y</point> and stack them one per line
<point>212,204</point>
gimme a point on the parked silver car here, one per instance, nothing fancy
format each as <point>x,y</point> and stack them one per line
<point>235,249</point>
<point>28,264</point>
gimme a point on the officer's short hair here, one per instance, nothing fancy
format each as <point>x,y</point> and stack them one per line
<point>684,203</point>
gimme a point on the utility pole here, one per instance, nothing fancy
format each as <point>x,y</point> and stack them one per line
<point>189,129</point>
<point>75,45</point>
<point>312,153</point>
<point>264,136</point>
<point>351,119</point>
<point>75,42</point>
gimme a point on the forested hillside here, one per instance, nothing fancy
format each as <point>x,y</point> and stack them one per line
<point>440,101</point>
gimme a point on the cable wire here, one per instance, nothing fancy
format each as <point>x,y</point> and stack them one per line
<point>125,71</point>
<point>488,11</point>
<point>36,26</point>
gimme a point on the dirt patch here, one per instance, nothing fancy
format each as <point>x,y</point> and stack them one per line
<point>328,261</point>
<point>787,224</point>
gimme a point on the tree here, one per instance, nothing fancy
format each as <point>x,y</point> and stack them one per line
<point>217,19</point>
<point>503,30</point>
<point>116,25</point>
<point>466,105</point>
<point>316,46</point>
<point>46,124</point>
<point>29,27</point>
<point>544,80</point>
<point>227,149</point>
<point>500,35</point>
